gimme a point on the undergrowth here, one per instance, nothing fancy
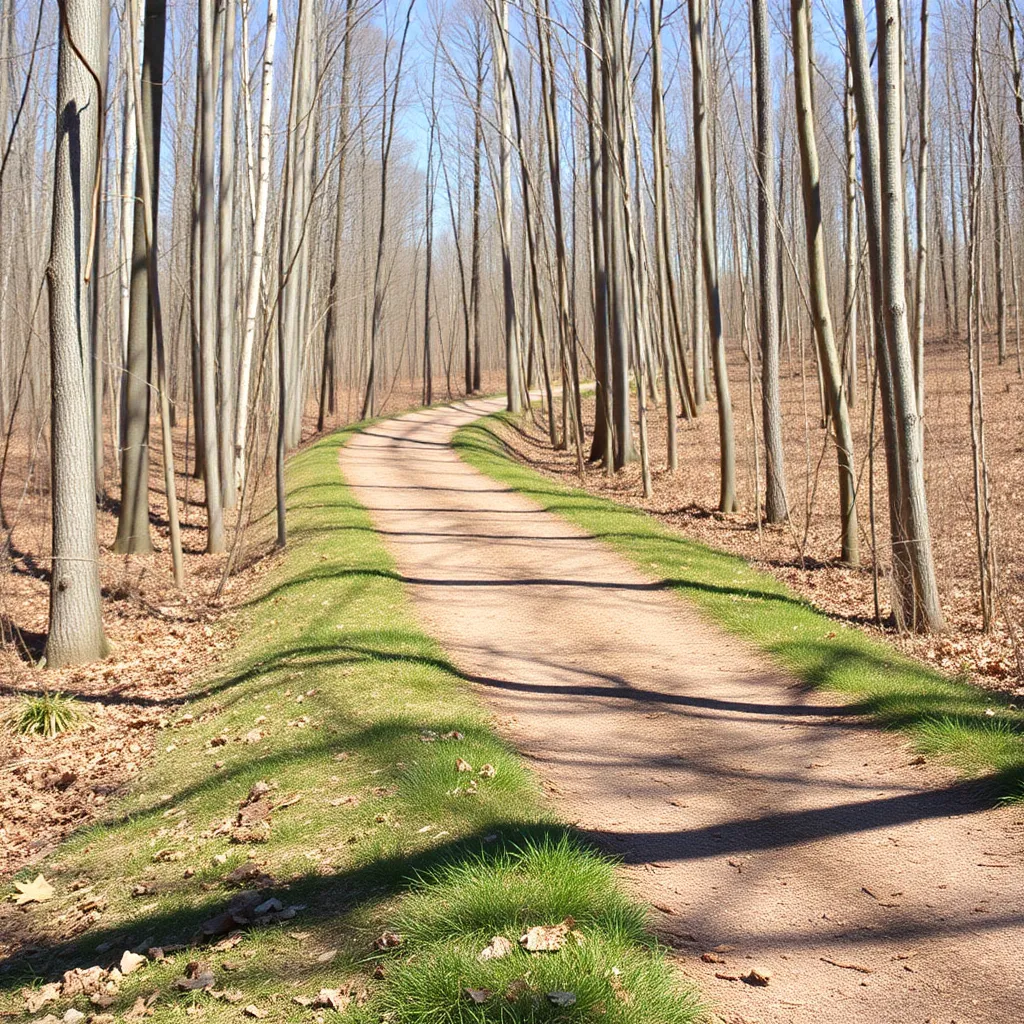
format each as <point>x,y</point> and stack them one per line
<point>354,720</point>
<point>975,731</point>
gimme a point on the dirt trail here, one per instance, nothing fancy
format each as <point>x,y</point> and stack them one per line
<point>755,814</point>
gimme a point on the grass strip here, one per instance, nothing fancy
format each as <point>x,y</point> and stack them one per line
<point>342,706</point>
<point>978,732</point>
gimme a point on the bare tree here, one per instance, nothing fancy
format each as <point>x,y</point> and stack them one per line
<point>76,624</point>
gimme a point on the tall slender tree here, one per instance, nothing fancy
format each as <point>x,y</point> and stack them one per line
<point>76,624</point>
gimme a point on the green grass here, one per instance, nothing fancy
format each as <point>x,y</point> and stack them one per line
<point>417,855</point>
<point>45,714</point>
<point>978,732</point>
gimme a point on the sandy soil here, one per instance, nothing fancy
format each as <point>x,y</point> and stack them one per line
<point>769,828</point>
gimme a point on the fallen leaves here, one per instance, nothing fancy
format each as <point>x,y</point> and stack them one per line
<point>497,948</point>
<point>548,938</point>
<point>131,962</point>
<point>388,940</point>
<point>198,976</point>
<point>38,890</point>
<point>462,765</point>
<point>478,996</point>
<point>252,1010</point>
<point>37,998</point>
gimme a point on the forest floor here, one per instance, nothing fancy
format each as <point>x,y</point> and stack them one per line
<point>769,822</point>
<point>334,827</point>
<point>804,554</point>
<point>163,640</point>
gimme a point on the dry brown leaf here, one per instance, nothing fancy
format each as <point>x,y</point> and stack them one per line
<point>547,938</point>
<point>333,998</point>
<point>327,956</point>
<point>131,961</point>
<point>38,890</point>
<point>37,998</point>
<point>462,766</point>
<point>388,940</point>
<point>198,975</point>
<point>755,976</point>
<point>479,996</point>
<point>254,1011</point>
<point>498,947</point>
<point>488,771</point>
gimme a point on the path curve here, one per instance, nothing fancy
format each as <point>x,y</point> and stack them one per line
<point>753,813</point>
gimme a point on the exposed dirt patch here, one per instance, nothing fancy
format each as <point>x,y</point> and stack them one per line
<point>803,554</point>
<point>805,866</point>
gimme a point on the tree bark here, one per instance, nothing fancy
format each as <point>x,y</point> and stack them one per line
<point>709,252</point>
<point>76,623</point>
<point>828,356</point>
<point>776,507</point>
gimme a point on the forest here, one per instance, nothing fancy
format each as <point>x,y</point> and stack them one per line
<point>737,286</point>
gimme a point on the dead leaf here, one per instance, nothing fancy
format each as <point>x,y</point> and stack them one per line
<point>38,890</point>
<point>498,947</point>
<point>333,998</point>
<point>547,938</point>
<point>253,736</point>
<point>388,940</point>
<point>562,998</point>
<point>462,766</point>
<point>198,975</point>
<point>327,957</point>
<point>479,996</point>
<point>254,1011</point>
<point>37,998</point>
<point>488,771</point>
<point>166,856</point>
<point>302,1000</point>
<point>84,981</point>
<point>131,961</point>
<point>756,977</point>
<point>139,1009</point>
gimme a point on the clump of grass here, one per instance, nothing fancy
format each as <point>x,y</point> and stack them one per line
<point>608,964</point>
<point>45,714</point>
<point>974,730</point>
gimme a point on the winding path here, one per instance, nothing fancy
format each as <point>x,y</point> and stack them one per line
<point>767,827</point>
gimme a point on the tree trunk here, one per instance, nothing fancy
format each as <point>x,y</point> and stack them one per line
<point>338,267</point>
<point>776,507</point>
<point>709,251</point>
<point>226,264</point>
<point>828,357</point>
<point>133,536</point>
<point>255,275</point>
<point>513,382</point>
<point>208,280</point>
<point>76,622</point>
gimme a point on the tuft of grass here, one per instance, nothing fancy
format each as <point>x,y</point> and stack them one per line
<point>977,732</point>
<point>350,703</point>
<point>45,714</point>
<point>609,964</point>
